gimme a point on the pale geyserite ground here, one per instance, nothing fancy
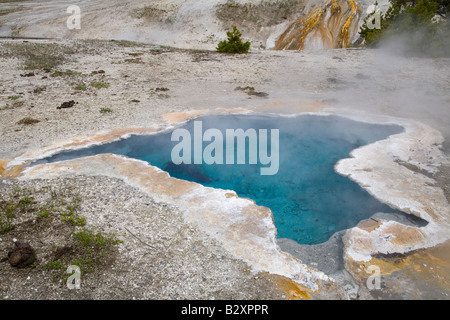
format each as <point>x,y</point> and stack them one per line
<point>345,81</point>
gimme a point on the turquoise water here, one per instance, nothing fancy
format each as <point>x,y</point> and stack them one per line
<point>309,200</point>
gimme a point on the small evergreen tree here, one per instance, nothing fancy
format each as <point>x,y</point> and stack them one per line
<point>234,43</point>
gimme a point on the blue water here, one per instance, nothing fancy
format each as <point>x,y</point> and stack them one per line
<point>309,200</point>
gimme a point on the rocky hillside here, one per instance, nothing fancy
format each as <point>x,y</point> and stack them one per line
<point>192,23</point>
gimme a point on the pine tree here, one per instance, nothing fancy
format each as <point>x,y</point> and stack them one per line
<point>234,43</point>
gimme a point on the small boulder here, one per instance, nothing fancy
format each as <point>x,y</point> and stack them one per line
<point>67,104</point>
<point>22,255</point>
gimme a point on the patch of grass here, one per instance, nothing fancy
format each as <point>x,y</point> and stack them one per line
<point>105,110</point>
<point>159,92</point>
<point>81,87</point>
<point>44,213</point>
<point>54,265</point>
<point>67,72</point>
<point>39,89</point>
<point>89,251</point>
<point>56,214</point>
<point>17,104</point>
<point>74,220</point>
<point>19,203</point>
<point>163,96</point>
<point>70,214</point>
<point>7,215</point>
<point>126,43</point>
<point>88,239</point>
<point>25,204</point>
<point>15,97</point>
<point>99,85</point>
<point>37,56</point>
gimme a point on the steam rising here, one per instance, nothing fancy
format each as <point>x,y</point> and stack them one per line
<point>398,85</point>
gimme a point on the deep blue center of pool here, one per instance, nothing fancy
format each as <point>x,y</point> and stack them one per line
<point>309,200</point>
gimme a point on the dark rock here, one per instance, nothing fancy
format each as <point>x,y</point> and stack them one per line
<point>244,88</point>
<point>68,104</point>
<point>28,121</point>
<point>22,255</point>
<point>251,91</point>
<point>30,74</point>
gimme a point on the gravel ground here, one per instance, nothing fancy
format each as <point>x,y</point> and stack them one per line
<point>360,80</point>
<point>161,256</point>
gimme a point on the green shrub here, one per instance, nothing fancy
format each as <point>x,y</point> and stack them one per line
<point>234,43</point>
<point>105,110</point>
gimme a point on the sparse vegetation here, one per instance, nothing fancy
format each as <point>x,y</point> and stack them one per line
<point>98,72</point>
<point>99,85</point>
<point>81,87</point>
<point>127,43</point>
<point>163,96</point>
<point>39,89</point>
<point>70,215</point>
<point>7,215</point>
<point>67,72</point>
<point>53,265</point>
<point>105,110</point>
<point>153,14</point>
<point>87,251</point>
<point>37,55</point>
<point>90,240</point>
<point>33,213</point>
<point>20,202</point>
<point>160,92</point>
<point>15,101</point>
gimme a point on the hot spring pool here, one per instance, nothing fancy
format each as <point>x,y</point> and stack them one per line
<point>309,200</point>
